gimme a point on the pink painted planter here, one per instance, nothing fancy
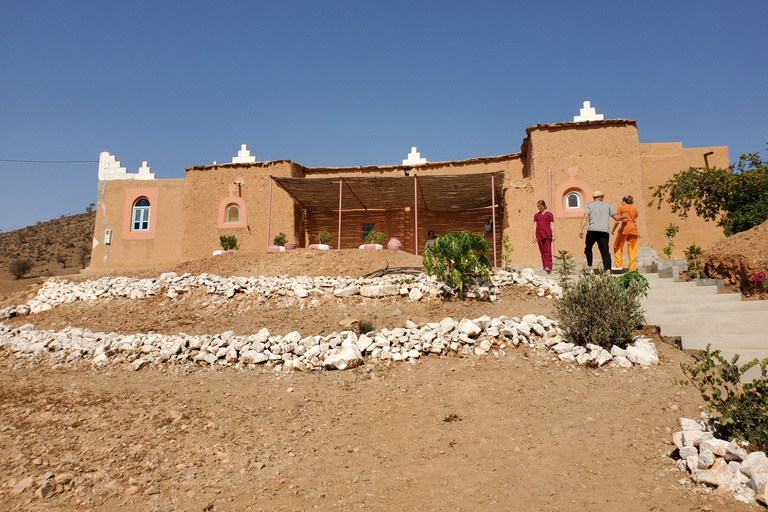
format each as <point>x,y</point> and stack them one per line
<point>275,248</point>
<point>394,244</point>
<point>219,253</point>
<point>371,247</point>
<point>322,247</point>
<point>289,246</point>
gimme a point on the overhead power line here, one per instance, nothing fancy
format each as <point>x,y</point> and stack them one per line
<point>51,161</point>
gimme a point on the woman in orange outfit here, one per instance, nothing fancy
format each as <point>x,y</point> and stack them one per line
<point>627,233</point>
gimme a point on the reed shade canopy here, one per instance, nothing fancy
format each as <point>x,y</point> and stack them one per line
<point>434,193</point>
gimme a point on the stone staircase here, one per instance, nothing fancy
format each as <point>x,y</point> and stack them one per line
<point>692,317</point>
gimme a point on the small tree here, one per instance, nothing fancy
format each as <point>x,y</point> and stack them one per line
<point>457,259</point>
<point>669,233</point>
<point>693,256</point>
<point>60,258</point>
<point>280,240</point>
<point>564,266</point>
<point>736,198</point>
<point>19,267</point>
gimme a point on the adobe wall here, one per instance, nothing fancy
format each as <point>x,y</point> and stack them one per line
<point>161,247</point>
<point>207,187</point>
<point>660,161</point>
<point>581,157</point>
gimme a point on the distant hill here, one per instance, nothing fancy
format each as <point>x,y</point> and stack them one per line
<point>59,246</point>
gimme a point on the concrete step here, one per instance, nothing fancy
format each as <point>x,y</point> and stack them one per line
<point>696,306</point>
<point>683,291</point>
<point>735,342</point>
<point>708,318</point>
<point>659,299</point>
<point>732,328</point>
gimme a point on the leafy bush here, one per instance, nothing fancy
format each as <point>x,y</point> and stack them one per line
<point>280,239</point>
<point>743,408</point>
<point>228,242</point>
<point>323,237</point>
<point>374,237</point>
<point>626,280</point>
<point>19,267</point>
<point>506,256</point>
<point>457,259</point>
<point>597,309</point>
<point>364,327</point>
<point>564,266</point>
<point>693,256</point>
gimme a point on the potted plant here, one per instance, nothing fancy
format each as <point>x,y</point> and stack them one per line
<point>373,240</point>
<point>323,238</point>
<point>279,244</point>
<point>228,245</point>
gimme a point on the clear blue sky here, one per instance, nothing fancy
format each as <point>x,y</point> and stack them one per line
<point>344,83</point>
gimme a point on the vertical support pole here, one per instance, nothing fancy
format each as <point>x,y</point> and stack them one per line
<point>416,215</point>
<point>269,215</point>
<point>341,186</point>
<point>493,209</point>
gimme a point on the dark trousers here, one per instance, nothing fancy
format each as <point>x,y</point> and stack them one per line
<point>602,239</point>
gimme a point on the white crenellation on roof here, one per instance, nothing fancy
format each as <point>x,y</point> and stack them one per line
<point>414,158</point>
<point>110,169</point>
<point>587,114</point>
<point>243,156</point>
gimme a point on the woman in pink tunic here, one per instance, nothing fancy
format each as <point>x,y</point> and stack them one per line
<point>544,234</point>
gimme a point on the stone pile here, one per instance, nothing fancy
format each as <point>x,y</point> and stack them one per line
<point>727,466</point>
<point>55,292</point>
<point>334,351</point>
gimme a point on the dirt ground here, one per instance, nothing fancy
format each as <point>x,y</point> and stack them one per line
<point>521,431</point>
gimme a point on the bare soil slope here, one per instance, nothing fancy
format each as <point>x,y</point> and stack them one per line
<point>517,431</point>
<point>739,257</point>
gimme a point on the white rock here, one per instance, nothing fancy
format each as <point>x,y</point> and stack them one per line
<point>341,359</point>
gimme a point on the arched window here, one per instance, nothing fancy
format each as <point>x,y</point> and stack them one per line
<point>233,213</point>
<point>572,200</point>
<point>141,215</point>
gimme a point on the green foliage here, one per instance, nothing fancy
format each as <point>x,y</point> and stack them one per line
<point>323,237</point>
<point>228,242</point>
<point>374,237</point>
<point>693,256</point>
<point>636,279</point>
<point>280,240</point>
<point>564,266</point>
<point>743,408</point>
<point>669,233</point>
<point>458,258</point>
<point>737,197</point>
<point>19,267</point>
<point>364,326</point>
<point>506,256</point>
<point>597,309</point>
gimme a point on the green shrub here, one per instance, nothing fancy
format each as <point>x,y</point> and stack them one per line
<point>693,256</point>
<point>458,258</point>
<point>596,309</point>
<point>564,266</point>
<point>323,237</point>
<point>669,233</point>
<point>627,279</point>
<point>364,327</point>
<point>506,256</point>
<point>280,239</point>
<point>228,242</point>
<point>743,408</point>
<point>19,267</point>
<point>374,237</point>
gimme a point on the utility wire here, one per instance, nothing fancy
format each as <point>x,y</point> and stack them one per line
<point>51,161</point>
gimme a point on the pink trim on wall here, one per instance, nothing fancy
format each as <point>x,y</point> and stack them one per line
<point>565,188</point>
<point>131,196</point>
<point>226,203</point>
